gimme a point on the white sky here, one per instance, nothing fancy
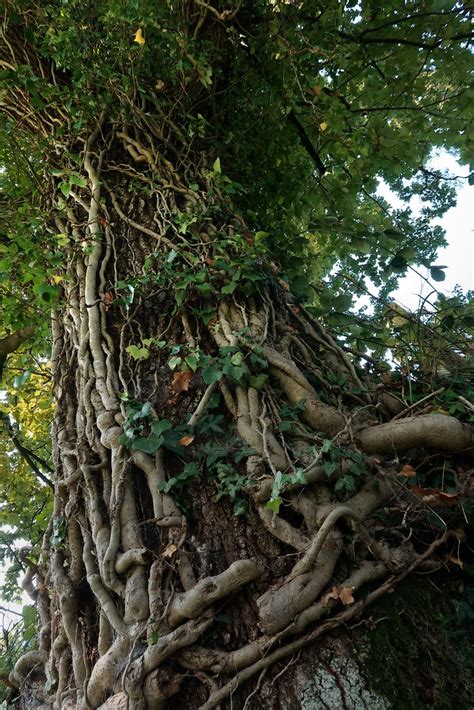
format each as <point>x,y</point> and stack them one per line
<point>458,256</point>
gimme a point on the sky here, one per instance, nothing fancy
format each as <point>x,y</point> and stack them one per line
<point>458,256</point>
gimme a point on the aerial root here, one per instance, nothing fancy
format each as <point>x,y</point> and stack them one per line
<point>192,603</point>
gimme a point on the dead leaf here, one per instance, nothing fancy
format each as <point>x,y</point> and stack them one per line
<point>181,380</point>
<point>344,594</point>
<point>408,471</point>
<point>139,38</point>
<point>107,299</point>
<point>169,550</point>
<point>186,439</point>
<point>160,85</point>
<point>435,497</point>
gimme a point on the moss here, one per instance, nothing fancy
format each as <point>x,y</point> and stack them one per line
<point>409,656</point>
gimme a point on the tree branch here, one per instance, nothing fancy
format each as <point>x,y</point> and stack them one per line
<point>26,454</point>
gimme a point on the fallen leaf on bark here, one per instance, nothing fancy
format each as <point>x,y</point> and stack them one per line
<point>170,550</point>
<point>434,496</point>
<point>408,471</point>
<point>181,381</point>
<point>344,594</point>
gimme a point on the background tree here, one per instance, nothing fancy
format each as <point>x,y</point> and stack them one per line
<point>189,190</point>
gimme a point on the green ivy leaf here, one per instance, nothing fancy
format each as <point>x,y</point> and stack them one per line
<point>258,382</point>
<point>192,362</point>
<point>138,353</point>
<point>211,374</point>
<point>148,444</point>
<point>274,504</point>
<point>65,188</point>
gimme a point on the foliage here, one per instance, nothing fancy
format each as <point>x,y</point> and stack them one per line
<point>17,637</point>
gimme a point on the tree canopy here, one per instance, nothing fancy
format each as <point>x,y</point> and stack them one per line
<point>244,142</point>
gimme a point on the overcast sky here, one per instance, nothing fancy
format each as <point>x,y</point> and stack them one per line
<point>458,256</point>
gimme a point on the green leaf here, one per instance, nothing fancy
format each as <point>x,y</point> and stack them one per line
<point>174,362</point>
<point>330,467</point>
<point>141,412</point>
<point>138,353</point>
<point>229,288</point>
<point>161,425</point>
<point>327,446</point>
<point>149,444</point>
<point>217,166</point>
<point>274,504</point>
<point>437,273</point>
<point>393,233</point>
<point>192,362</point>
<point>77,180</point>
<point>398,262</point>
<point>211,374</point>
<point>65,188</point>
<point>258,382</point>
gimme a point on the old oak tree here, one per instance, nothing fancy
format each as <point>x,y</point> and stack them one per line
<point>188,197</point>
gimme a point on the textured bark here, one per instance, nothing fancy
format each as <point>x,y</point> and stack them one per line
<point>144,600</point>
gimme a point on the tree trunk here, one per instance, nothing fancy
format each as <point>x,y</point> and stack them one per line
<point>218,457</point>
<point>198,536</point>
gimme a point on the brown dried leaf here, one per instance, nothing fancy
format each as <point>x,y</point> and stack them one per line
<point>434,496</point>
<point>170,550</point>
<point>186,439</point>
<point>344,594</point>
<point>181,381</point>
<point>408,471</point>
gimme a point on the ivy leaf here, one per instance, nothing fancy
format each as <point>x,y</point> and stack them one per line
<point>148,444</point>
<point>78,180</point>
<point>191,361</point>
<point>229,288</point>
<point>174,361</point>
<point>161,425</point>
<point>65,188</point>
<point>138,353</point>
<point>258,382</point>
<point>211,374</point>
<point>274,504</point>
